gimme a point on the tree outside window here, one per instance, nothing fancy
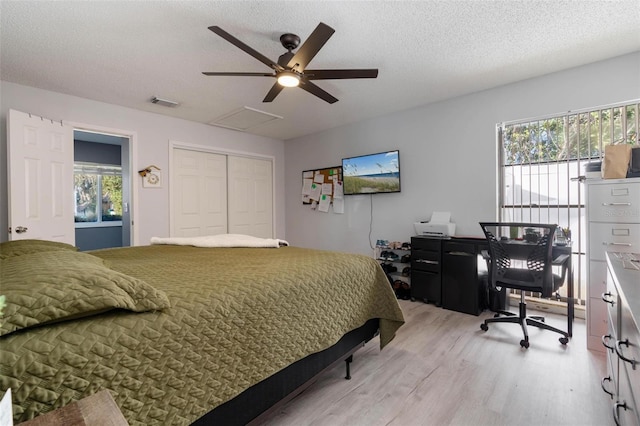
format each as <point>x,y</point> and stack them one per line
<point>98,193</point>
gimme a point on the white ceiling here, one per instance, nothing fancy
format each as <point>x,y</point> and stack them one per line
<point>126,52</point>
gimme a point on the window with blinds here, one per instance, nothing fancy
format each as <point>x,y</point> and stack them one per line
<point>543,161</point>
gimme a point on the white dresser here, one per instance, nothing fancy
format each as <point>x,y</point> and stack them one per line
<point>613,224</point>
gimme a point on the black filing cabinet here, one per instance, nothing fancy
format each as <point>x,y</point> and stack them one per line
<point>463,275</point>
<point>426,267</point>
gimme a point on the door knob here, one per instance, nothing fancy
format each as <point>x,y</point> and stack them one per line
<point>21,229</point>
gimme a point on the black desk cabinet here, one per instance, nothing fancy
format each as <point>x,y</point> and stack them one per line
<point>463,285</point>
<point>445,271</point>
<point>426,284</point>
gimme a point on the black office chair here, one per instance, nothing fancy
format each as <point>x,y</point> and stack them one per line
<point>523,262</point>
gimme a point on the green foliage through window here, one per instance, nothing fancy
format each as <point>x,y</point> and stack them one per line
<point>98,193</point>
<point>570,137</point>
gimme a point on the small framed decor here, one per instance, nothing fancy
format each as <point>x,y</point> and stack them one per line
<point>151,177</point>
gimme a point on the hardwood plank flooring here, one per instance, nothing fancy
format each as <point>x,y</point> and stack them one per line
<point>441,369</point>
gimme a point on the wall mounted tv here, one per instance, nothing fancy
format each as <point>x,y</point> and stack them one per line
<point>372,173</point>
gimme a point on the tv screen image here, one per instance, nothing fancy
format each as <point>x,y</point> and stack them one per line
<point>372,173</point>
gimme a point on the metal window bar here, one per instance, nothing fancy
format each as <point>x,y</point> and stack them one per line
<point>525,195</point>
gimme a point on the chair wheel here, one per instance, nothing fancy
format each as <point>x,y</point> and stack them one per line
<point>564,340</point>
<point>484,327</point>
<point>524,344</point>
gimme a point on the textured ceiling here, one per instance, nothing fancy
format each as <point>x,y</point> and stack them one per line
<point>126,52</point>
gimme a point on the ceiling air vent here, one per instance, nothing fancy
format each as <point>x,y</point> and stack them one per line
<point>244,118</point>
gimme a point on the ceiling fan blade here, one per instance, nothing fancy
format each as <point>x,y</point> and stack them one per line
<point>311,47</point>
<point>275,91</point>
<point>259,56</point>
<point>315,90</point>
<point>244,74</point>
<point>338,74</point>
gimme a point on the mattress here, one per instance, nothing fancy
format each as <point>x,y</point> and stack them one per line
<point>236,316</point>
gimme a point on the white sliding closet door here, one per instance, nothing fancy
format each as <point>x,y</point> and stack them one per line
<point>250,196</point>
<point>198,193</point>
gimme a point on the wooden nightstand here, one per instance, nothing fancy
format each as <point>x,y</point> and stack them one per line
<point>98,409</point>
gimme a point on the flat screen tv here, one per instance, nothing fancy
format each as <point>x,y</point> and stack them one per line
<point>372,173</point>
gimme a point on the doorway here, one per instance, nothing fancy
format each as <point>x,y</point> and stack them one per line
<point>102,195</point>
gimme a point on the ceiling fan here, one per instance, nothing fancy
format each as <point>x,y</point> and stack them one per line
<point>290,70</point>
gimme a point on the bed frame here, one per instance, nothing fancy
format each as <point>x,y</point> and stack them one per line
<point>261,400</point>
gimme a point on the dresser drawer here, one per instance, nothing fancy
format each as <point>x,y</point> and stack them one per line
<point>626,408</point>
<point>620,237</point>
<point>597,278</point>
<point>597,318</point>
<point>616,202</point>
<point>629,348</point>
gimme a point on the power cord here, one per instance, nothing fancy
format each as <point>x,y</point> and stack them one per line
<point>371,220</point>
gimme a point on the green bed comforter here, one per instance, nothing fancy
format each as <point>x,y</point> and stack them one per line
<point>237,316</point>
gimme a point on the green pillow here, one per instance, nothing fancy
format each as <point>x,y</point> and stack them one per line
<point>53,286</point>
<point>20,247</point>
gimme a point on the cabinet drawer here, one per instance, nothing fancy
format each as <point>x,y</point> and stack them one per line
<point>597,317</point>
<point>424,243</point>
<point>427,261</point>
<point>597,278</point>
<point>426,286</point>
<point>620,237</point>
<point>619,202</point>
<point>609,382</point>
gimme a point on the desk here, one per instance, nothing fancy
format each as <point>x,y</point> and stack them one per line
<point>444,271</point>
<point>518,249</point>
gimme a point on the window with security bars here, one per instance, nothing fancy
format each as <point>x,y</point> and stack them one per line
<point>542,163</point>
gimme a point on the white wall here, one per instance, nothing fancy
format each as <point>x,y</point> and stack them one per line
<point>153,134</point>
<point>448,155</point>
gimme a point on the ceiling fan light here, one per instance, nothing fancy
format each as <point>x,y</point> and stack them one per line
<point>288,79</point>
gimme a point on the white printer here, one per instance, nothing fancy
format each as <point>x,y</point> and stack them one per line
<point>438,226</point>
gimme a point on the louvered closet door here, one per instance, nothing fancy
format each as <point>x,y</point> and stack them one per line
<point>250,197</point>
<point>199,193</point>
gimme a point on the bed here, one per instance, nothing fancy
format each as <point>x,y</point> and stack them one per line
<point>180,334</point>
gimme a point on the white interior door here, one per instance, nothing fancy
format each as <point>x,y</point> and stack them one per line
<point>250,196</point>
<point>198,193</point>
<point>40,178</point>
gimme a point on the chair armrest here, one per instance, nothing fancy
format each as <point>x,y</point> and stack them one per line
<point>560,260</point>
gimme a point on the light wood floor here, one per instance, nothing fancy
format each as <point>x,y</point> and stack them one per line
<point>441,369</point>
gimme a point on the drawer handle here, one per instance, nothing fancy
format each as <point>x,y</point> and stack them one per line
<point>625,342</point>
<point>604,243</point>
<point>617,405</point>
<point>616,204</point>
<point>459,253</point>
<point>430,262</point>
<point>606,338</point>
<point>606,379</point>
<point>605,298</point>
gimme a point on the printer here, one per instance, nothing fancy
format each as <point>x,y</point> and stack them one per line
<point>438,226</point>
